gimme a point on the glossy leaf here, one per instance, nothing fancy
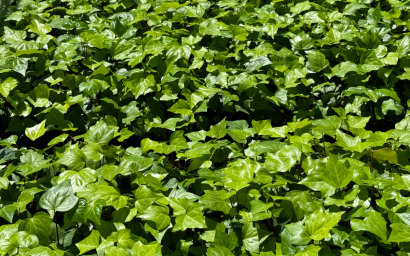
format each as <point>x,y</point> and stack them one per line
<point>59,198</point>
<point>35,132</point>
<point>316,61</point>
<point>99,133</point>
<point>89,243</point>
<point>216,200</point>
<point>7,86</point>
<point>373,223</point>
<point>240,174</point>
<point>336,173</point>
<point>320,223</point>
<point>38,225</point>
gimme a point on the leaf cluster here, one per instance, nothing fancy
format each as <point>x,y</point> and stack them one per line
<point>223,127</point>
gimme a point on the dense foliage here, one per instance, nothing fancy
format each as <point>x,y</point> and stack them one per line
<point>144,127</point>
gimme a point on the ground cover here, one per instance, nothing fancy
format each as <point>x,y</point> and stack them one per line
<point>204,127</point>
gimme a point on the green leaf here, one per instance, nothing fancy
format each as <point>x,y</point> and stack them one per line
<point>151,249</point>
<point>93,211</point>
<point>89,243</point>
<point>218,131</point>
<point>23,239</point>
<point>329,125</point>
<point>157,214</point>
<point>256,63</point>
<point>193,218</point>
<point>218,251</point>
<point>392,105</point>
<point>284,159</point>
<point>78,179</point>
<point>216,200</point>
<point>32,162</point>
<point>350,143</point>
<point>196,136</point>
<point>59,139</point>
<point>302,42</point>
<point>357,121</point>
<point>299,234</point>
<point>144,197</point>
<point>100,133</point>
<point>179,205</point>
<point>7,212</point>
<point>300,7</point>
<point>39,28</point>
<point>38,225</point>
<point>229,241</point>
<point>240,33</point>
<point>311,250</point>
<point>120,49</point>
<point>343,68</point>
<point>336,172</point>
<point>405,75</point>
<point>404,124</point>
<point>140,86</point>
<point>39,96</point>
<point>385,154</point>
<point>316,61</point>
<point>36,131</point>
<point>93,151</point>
<point>403,45</point>
<point>59,198</point>
<point>7,86</point>
<point>319,223</point>
<point>125,134</point>
<point>4,183</point>
<point>250,238</point>
<point>400,233</point>
<point>181,107</point>
<point>374,223</point>
<point>136,163</point>
<point>263,127</point>
<point>19,65</point>
<point>179,51</point>
<point>239,174</point>
<point>95,191</point>
<point>210,27</point>
<point>44,251</point>
<point>73,158</point>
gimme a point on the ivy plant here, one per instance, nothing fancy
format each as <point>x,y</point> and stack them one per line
<point>196,127</point>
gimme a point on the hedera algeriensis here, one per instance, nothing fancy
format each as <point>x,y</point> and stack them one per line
<point>140,127</point>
